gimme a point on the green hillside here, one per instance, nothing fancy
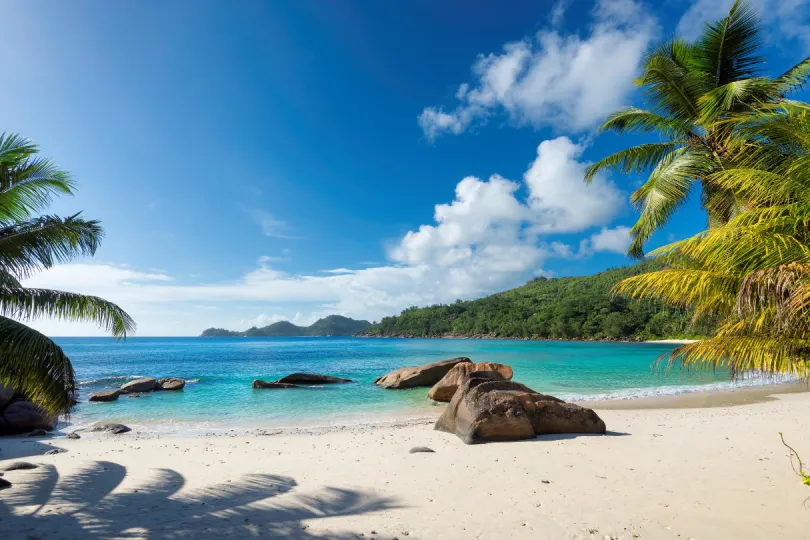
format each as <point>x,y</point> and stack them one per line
<point>333,325</point>
<point>558,308</point>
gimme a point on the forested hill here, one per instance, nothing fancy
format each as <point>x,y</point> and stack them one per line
<point>333,325</point>
<point>558,308</point>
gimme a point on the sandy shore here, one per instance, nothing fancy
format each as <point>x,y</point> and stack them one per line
<point>703,473</point>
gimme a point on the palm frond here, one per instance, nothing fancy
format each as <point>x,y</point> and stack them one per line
<point>795,78</point>
<point>29,186</point>
<point>634,159</point>
<point>683,287</point>
<point>633,119</point>
<point>32,245</point>
<point>36,366</point>
<point>746,354</point>
<point>14,148</point>
<point>28,304</point>
<point>727,48</point>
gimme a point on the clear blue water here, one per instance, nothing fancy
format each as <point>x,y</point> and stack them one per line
<point>222,370</point>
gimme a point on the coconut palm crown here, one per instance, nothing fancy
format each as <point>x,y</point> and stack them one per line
<point>693,89</point>
<point>30,362</point>
<point>753,273</point>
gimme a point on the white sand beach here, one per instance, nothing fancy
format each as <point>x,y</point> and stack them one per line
<point>697,472</point>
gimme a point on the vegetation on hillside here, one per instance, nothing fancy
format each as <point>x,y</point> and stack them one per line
<point>333,325</point>
<point>558,308</point>
<point>30,362</point>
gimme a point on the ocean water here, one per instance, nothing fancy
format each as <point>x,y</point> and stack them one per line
<point>221,370</point>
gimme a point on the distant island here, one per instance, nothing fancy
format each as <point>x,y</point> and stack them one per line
<point>575,308</point>
<point>333,325</point>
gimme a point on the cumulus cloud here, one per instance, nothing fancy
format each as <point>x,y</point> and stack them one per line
<point>615,240</point>
<point>566,81</point>
<point>790,18</point>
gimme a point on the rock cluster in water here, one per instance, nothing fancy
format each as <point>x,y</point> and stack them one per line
<point>137,386</point>
<point>295,380</point>
<point>486,405</point>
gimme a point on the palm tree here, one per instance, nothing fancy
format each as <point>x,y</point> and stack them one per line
<point>692,90</point>
<point>752,273</point>
<point>30,362</point>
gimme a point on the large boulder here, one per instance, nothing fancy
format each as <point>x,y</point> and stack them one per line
<point>265,385</point>
<point>445,389</point>
<point>106,395</point>
<point>413,377</point>
<point>6,395</point>
<point>311,378</point>
<point>24,416</point>
<point>146,384</point>
<point>170,383</point>
<point>486,410</point>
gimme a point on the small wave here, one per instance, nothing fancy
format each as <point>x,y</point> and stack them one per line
<point>191,381</point>
<point>113,379</point>
<point>750,381</point>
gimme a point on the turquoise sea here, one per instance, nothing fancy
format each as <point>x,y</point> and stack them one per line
<point>220,371</point>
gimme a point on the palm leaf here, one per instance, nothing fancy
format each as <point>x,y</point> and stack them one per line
<point>29,187</point>
<point>727,48</point>
<point>27,304</point>
<point>32,245</point>
<point>795,78</point>
<point>634,159</point>
<point>36,366</point>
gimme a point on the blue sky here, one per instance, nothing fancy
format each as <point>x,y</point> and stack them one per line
<point>263,161</point>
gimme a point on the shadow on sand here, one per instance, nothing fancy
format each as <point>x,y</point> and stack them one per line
<point>86,505</point>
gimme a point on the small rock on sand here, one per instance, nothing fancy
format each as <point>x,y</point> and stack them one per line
<point>73,435</point>
<point>4,483</point>
<point>55,451</point>
<point>20,466</point>
<point>38,433</point>
<point>421,449</point>
<point>110,427</point>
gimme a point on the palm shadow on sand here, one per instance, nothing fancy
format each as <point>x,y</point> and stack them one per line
<point>86,505</point>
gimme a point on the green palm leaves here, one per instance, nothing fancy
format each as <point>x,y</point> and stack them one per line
<point>30,362</point>
<point>698,94</point>
<point>753,272</point>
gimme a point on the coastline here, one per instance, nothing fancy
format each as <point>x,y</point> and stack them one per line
<point>638,481</point>
<point>675,341</point>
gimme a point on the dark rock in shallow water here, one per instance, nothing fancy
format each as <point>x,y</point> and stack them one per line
<point>4,484</point>
<point>106,395</point>
<point>485,410</point>
<point>55,451</point>
<point>413,377</point>
<point>311,378</point>
<point>73,435</point>
<point>110,427</point>
<point>421,449</point>
<point>264,385</point>
<point>146,384</point>
<point>38,433</point>
<point>24,416</point>
<point>170,383</point>
<point>20,466</point>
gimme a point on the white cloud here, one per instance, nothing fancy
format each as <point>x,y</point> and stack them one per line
<point>565,81</point>
<point>269,225</point>
<point>338,271</point>
<point>559,199</point>
<point>789,18</point>
<point>615,240</point>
